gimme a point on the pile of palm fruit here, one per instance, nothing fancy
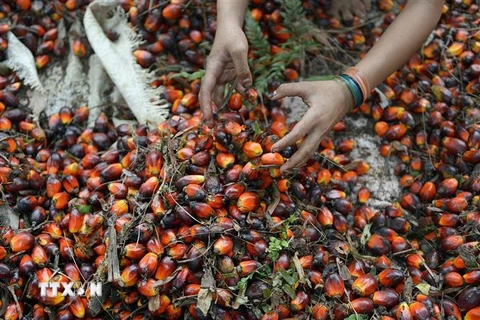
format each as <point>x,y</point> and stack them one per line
<point>187,222</point>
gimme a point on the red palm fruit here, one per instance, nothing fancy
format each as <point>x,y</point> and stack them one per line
<point>38,312</point>
<point>119,208</point>
<point>457,204</point>
<point>75,221</point>
<point>202,210</point>
<point>134,251</point>
<point>258,248</point>
<point>334,285</point>
<point>177,251</point>
<point>453,280</point>
<point>279,128</point>
<point>54,186</point>
<point>320,312</point>
<point>153,163</point>
<point>223,246</point>
<point>215,201</point>
<point>12,312</point>
<point>323,177</point>
<point>247,267</point>
<point>148,265</point>
<point>41,61</point>
<point>201,158</point>
<point>252,95</point>
<point>385,298</point>
<point>5,124</point>
<point>195,192</point>
<point>191,289</point>
<point>274,159</point>
<point>129,276</point>
<point>427,192</point>
<point>235,102</point>
<point>149,187</point>
<point>111,172</point>
<point>472,277</point>
<point>300,301</point>
<point>25,267</point>
<point>451,309</point>
<point>118,190</point>
<point>390,277</point>
<point>378,245</point>
<point>403,312</point>
<point>79,48</point>
<point>448,187</point>
<point>362,305</point>
<point>144,58</point>
<point>225,160</point>
<point>165,268</point>
<point>396,132</point>
<point>39,256</point>
<point>473,314</point>
<point>248,202</point>
<point>472,156</point>
<point>148,288</point>
<point>234,191</point>
<point>283,185</point>
<point>163,302</point>
<point>252,149</point>
<point>363,195</point>
<point>452,242</point>
<point>22,241</point>
<point>454,146</point>
<point>189,179</point>
<point>77,307</point>
<point>415,260</point>
<point>172,12</point>
<point>419,311</point>
<point>365,285</point>
<point>469,298</point>
<point>325,217</point>
<point>3,253</point>
<point>60,200</point>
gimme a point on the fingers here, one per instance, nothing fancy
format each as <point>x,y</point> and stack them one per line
<point>218,95</point>
<point>212,75</point>
<point>301,129</point>
<point>298,89</point>
<point>368,5</point>
<point>240,62</point>
<point>305,151</point>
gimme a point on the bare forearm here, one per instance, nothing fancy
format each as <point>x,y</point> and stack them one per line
<point>400,41</point>
<point>231,11</point>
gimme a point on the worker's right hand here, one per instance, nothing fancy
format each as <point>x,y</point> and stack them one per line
<point>227,60</point>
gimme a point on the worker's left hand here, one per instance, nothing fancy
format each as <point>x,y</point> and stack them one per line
<point>328,103</point>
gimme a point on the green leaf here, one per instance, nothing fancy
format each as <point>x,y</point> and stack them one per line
<point>84,209</point>
<point>357,317</point>
<point>290,280</point>
<point>289,290</point>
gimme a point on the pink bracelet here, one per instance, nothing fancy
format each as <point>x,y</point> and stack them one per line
<point>362,81</point>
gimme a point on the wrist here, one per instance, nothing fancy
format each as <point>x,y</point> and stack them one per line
<point>342,96</point>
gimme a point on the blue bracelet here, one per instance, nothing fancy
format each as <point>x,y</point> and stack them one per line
<point>354,89</point>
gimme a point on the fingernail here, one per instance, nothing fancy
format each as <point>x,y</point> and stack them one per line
<point>246,83</point>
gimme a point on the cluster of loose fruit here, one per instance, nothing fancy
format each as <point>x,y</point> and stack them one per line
<point>190,222</point>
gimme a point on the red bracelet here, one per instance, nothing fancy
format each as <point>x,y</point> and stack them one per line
<point>362,81</point>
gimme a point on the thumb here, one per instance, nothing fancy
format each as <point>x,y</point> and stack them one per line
<point>240,63</point>
<point>297,89</point>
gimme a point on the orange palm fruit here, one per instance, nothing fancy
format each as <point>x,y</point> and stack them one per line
<point>418,310</point>
<point>177,251</point>
<point>378,245</point>
<point>129,276</point>
<point>134,251</point>
<point>427,192</point>
<point>39,256</point>
<point>247,267</point>
<point>300,301</point>
<point>77,307</point>
<point>252,149</point>
<point>148,264</point>
<point>385,298</point>
<point>472,156</point>
<point>396,132</point>
<point>79,48</point>
<point>119,207</point>
<point>454,146</point>
<point>272,159</point>
<point>235,102</point>
<point>365,285</point>
<point>362,305</point>
<point>111,172</point>
<point>189,179</point>
<point>172,11</point>
<point>472,277</point>
<point>149,187</point>
<point>22,241</point>
<point>223,245</point>
<point>390,277</point>
<point>202,210</point>
<point>153,163</point>
<point>334,285</point>
<point>323,177</point>
<point>248,202</point>
<point>147,288</point>
<point>452,242</point>
<point>165,268</point>
<point>225,160</point>
<point>363,195</point>
<point>144,58</point>
<point>42,61</point>
<point>195,192</point>
<point>325,217</point>
<point>54,186</point>
<point>118,190</point>
<point>453,279</point>
<point>473,314</point>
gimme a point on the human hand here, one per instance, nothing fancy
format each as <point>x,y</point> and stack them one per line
<point>328,102</point>
<point>227,61</point>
